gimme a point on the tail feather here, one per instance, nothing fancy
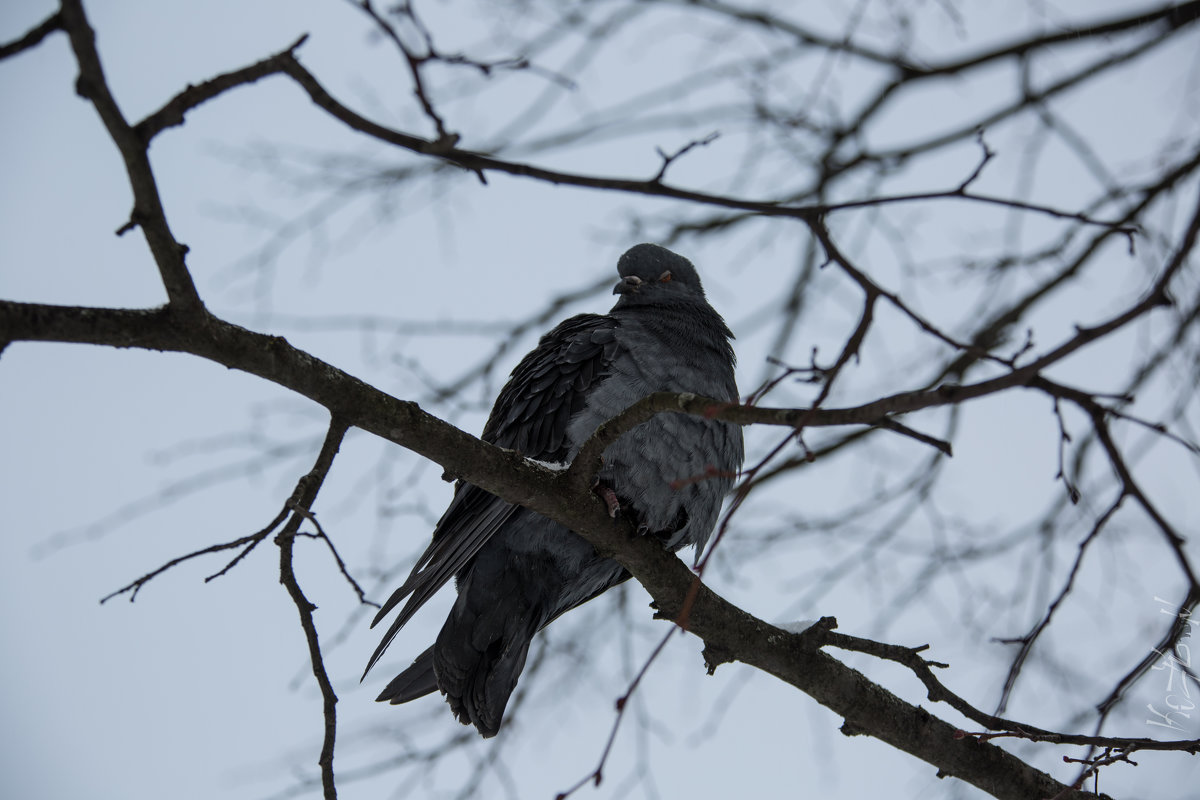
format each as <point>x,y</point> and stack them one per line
<point>416,681</point>
<point>479,656</point>
<point>529,573</point>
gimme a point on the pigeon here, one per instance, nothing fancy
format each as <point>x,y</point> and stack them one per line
<point>516,570</point>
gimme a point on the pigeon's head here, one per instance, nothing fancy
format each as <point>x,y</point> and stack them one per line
<point>652,275</point>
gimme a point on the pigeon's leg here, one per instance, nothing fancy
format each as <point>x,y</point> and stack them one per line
<point>608,496</point>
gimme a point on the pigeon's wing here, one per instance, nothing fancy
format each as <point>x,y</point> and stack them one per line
<point>530,416</point>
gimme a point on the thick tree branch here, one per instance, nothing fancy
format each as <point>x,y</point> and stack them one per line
<point>867,707</point>
<point>272,358</point>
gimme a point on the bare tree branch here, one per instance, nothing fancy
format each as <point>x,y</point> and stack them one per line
<point>304,497</point>
<point>185,325</point>
<point>148,211</point>
<point>33,38</point>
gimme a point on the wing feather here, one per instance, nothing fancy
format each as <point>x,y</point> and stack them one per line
<point>531,416</point>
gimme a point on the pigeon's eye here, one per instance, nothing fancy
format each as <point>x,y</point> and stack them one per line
<point>665,277</point>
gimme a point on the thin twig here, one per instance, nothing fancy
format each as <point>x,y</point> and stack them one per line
<point>305,495</point>
<point>33,38</point>
<point>596,775</point>
<point>250,542</point>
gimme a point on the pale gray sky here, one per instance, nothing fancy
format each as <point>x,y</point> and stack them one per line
<point>120,460</point>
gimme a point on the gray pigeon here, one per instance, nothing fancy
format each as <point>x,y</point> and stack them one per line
<point>516,570</point>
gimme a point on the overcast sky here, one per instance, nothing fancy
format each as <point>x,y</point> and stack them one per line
<point>116,461</point>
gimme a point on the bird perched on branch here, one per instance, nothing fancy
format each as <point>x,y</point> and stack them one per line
<point>517,570</point>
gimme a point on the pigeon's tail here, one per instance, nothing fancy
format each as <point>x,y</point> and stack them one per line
<point>481,651</point>
<point>416,681</point>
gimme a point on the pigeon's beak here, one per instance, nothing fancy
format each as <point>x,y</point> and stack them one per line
<point>628,285</point>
